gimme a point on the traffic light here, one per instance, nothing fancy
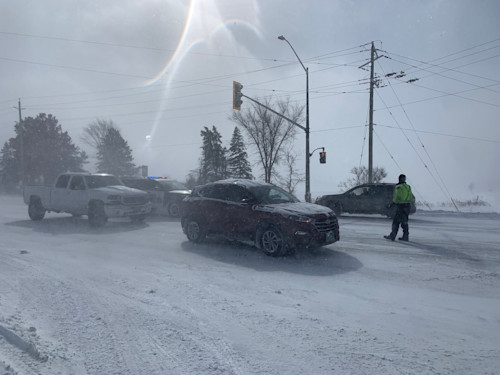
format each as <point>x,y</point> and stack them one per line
<point>322,157</point>
<point>237,95</point>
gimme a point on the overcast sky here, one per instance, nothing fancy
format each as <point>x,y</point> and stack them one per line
<point>161,70</point>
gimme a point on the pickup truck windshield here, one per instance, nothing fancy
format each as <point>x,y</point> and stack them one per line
<point>101,181</point>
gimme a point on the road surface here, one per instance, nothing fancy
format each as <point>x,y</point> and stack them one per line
<point>140,299</point>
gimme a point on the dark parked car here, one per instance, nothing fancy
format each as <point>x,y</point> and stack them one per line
<point>257,212</point>
<point>166,194</point>
<point>373,198</point>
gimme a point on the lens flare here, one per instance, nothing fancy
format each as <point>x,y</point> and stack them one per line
<point>203,21</point>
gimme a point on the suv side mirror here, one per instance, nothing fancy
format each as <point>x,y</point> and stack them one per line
<point>246,201</point>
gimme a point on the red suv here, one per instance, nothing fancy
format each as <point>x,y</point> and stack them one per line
<point>262,213</point>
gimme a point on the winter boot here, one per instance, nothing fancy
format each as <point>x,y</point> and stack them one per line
<point>389,237</point>
<point>404,238</point>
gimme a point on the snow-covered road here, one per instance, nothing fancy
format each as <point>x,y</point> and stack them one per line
<point>140,299</point>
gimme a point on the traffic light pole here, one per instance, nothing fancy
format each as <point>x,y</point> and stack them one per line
<point>308,175</point>
<point>276,113</point>
<point>308,170</point>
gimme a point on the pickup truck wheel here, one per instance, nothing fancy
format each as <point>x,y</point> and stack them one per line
<point>195,231</point>
<point>174,209</point>
<point>36,211</point>
<point>97,216</point>
<point>272,242</point>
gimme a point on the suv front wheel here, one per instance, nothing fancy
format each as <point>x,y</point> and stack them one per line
<point>272,241</point>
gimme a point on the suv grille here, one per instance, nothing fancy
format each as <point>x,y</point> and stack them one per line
<point>326,225</point>
<point>134,200</point>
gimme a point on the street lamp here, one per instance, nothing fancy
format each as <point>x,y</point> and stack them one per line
<point>308,177</point>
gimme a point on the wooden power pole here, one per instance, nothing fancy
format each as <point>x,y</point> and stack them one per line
<point>370,128</point>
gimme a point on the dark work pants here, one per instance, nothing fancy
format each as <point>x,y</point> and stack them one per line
<point>401,218</point>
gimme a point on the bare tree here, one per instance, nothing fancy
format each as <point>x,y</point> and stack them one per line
<point>269,133</point>
<point>291,178</point>
<point>96,131</point>
<point>361,177</point>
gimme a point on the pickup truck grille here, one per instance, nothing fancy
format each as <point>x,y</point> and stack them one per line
<point>326,225</point>
<point>133,200</point>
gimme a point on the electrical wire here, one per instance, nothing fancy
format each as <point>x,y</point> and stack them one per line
<point>421,143</point>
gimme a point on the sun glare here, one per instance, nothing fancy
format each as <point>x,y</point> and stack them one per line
<point>204,18</point>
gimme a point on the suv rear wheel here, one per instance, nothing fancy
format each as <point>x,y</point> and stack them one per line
<point>195,231</point>
<point>272,242</point>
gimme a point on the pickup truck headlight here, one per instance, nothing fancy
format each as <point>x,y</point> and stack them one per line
<point>114,199</point>
<point>301,219</point>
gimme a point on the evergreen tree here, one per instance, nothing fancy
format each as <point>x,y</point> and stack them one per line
<point>213,163</point>
<point>114,154</point>
<point>237,160</point>
<point>46,152</point>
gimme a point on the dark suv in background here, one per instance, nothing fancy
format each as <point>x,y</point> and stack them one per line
<point>261,213</point>
<point>166,194</point>
<point>373,198</point>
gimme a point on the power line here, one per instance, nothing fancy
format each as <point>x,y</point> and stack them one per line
<point>421,143</point>
<point>109,44</point>
<point>443,134</point>
<point>75,68</point>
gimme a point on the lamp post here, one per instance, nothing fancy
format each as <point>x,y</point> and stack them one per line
<point>308,177</point>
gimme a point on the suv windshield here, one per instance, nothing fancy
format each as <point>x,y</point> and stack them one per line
<point>272,195</point>
<point>101,181</point>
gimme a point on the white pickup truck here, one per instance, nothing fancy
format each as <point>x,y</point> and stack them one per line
<point>99,196</point>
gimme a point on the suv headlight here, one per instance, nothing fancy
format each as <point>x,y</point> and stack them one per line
<point>301,219</point>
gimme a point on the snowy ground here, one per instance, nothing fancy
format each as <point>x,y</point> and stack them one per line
<point>140,299</point>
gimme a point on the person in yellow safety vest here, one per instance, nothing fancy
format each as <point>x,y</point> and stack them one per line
<point>402,198</point>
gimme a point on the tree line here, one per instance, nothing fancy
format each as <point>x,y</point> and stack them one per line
<point>40,150</point>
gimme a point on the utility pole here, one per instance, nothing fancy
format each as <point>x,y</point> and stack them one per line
<point>21,140</point>
<point>374,56</point>
<point>370,129</point>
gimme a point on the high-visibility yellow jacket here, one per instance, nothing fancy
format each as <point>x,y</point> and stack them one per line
<point>403,194</point>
